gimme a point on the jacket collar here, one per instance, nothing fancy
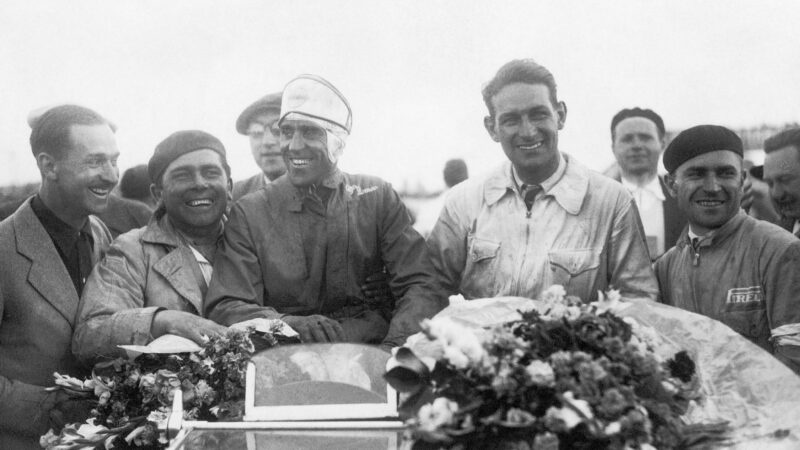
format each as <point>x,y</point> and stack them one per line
<point>568,191</point>
<point>295,203</point>
<point>717,236</point>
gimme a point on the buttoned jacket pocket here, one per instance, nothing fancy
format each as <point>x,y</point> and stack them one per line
<point>480,272</point>
<point>575,269</point>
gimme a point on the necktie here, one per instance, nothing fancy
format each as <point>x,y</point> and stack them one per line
<point>529,192</point>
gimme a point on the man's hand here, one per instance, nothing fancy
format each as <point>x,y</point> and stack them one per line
<point>68,410</point>
<point>376,289</point>
<point>315,328</point>
<point>184,324</point>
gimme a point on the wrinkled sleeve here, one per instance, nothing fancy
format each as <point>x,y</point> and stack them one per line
<point>236,291</point>
<point>447,245</point>
<point>629,260</point>
<point>111,311</point>
<point>24,407</point>
<point>782,287</point>
<point>412,283</point>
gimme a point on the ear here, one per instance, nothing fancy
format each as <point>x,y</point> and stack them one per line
<point>156,192</point>
<point>488,123</point>
<point>561,110</point>
<point>669,181</point>
<point>48,166</point>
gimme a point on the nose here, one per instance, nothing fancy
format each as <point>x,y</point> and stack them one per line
<point>110,172</point>
<point>711,183</point>
<point>267,138</point>
<point>527,128</point>
<point>296,142</point>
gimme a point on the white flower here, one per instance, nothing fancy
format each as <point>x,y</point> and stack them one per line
<point>455,357</point>
<point>609,302</point>
<point>612,428</point>
<point>566,415</point>
<point>458,341</point>
<point>433,416</point>
<point>554,294</point>
<point>541,373</point>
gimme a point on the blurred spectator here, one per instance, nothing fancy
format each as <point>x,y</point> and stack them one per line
<point>259,122</point>
<point>124,214</point>
<point>135,185</point>
<point>455,171</point>
<point>756,200</point>
<point>782,174</point>
<point>637,137</point>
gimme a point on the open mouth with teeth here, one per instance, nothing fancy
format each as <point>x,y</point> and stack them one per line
<point>710,203</point>
<point>203,202</point>
<point>100,192</point>
<point>530,147</point>
<point>300,162</point>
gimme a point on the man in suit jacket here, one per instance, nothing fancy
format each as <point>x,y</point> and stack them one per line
<point>47,248</point>
<point>258,122</point>
<point>637,141</point>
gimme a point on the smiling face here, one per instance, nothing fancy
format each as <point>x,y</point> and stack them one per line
<point>526,125</point>
<point>84,176</point>
<point>304,148</point>
<point>708,189</point>
<point>637,146</point>
<point>195,191</point>
<point>264,145</point>
<point>782,174</point>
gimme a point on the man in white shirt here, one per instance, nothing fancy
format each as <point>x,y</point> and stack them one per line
<point>782,174</point>
<point>637,141</point>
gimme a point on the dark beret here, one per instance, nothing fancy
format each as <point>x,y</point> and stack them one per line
<point>177,144</point>
<point>638,112</point>
<point>699,140</point>
<point>265,103</point>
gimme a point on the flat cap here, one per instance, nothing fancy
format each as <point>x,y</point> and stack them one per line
<point>265,103</point>
<point>698,140</point>
<point>315,97</point>
<point>177,144</point>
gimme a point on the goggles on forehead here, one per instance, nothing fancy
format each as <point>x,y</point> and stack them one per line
<point>332,135</point>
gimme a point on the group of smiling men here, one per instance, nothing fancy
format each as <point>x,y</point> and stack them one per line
<point>334,254</point>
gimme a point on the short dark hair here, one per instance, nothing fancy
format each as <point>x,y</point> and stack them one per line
<point>525,71</point>
<point>785,138</point>
<point>135,183</point>
<point>648,114</point>
<point>455,171</point>
<point>50,133</point>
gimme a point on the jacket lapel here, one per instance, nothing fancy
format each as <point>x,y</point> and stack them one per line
<point>47,273</point>
<point>177,268</point>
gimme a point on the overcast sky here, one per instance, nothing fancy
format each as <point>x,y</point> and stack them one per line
<point>412,70</point>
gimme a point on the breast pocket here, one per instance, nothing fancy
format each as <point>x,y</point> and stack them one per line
<point>479,278</point>
<point>575,269</point>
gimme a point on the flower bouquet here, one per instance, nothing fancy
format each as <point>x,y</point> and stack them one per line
<point>567,375</point>
<point>134,398</point>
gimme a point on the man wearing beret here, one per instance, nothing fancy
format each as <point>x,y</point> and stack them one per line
<point>782,174</point>
<point>301,247</point>
<point>727,265</point>
<point>258,123</point>
<point>153,279</point>
<point>541,218</point>
<point>47,248</point>
<point>637,140</point>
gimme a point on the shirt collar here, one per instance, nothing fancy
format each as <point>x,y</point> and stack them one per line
<point>568,184</point>
<point>62,233</point>
<point>717,235</point>
<point>331,181</point>
<point>653,187</point>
